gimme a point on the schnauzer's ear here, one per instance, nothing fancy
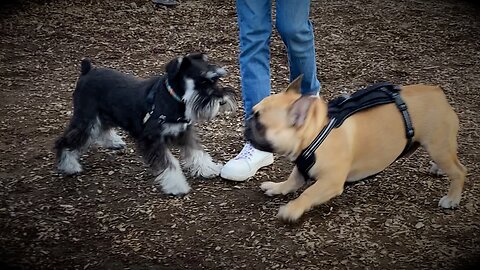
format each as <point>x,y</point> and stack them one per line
<point>299,110</point>
<point>174,66</point>
<point>198,56</point>
<point>295,86</point>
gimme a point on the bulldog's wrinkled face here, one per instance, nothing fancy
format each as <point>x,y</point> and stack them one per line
<point>268,129</point>
<point>277,121</point>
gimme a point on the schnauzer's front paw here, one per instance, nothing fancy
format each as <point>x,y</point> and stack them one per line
<point>446,202</point>
<point>271,188</point>
<point>290,212</point>
<point>68,163</point>
<point>214,170</point>
<point>173,182</point>
<point>435,170</point>
<point>117,146</point>
<point>70,171</point>
<point>111,141</point>
<point>200,163</point>
<point>208,170</point>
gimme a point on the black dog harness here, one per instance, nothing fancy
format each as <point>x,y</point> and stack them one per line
<point>341,108</point>
<point>150,100</point>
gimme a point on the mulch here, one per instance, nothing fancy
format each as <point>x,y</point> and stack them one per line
<point>112,217</point>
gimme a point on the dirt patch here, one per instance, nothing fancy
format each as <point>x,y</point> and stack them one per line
<point>111,217</point>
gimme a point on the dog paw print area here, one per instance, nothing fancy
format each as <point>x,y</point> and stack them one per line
<point>110,210</point>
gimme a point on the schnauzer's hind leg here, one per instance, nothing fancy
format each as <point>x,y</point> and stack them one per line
<point>75,140</point>
<point>196,160</point>
<point>166,167</point>
<point>109,138</point>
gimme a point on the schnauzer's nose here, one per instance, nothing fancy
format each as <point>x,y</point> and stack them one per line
<point>217,71</point>
<point>221,71</point>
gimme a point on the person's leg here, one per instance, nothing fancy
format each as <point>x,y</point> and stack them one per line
<point>255,27</point>
<point>296,31</point>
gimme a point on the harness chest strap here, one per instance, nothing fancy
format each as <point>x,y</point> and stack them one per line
<point>150,100</point>
<point>306,160</point>
<point>341,108</point>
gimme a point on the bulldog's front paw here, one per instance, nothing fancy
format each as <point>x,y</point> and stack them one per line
<point>290,212</point>
<point>271,188</point>
<point>449,203</point>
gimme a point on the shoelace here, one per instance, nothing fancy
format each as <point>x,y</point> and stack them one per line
<point>246,152</point>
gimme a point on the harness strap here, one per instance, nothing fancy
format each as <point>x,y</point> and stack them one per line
<point>371,96</point>
<point>306,159</point>
<point>150,100</point>
<point>343,107</point>
<point>410,132</point>
<point>152,93</point>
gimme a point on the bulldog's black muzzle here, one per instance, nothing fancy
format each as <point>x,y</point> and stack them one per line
<point>255,134</point>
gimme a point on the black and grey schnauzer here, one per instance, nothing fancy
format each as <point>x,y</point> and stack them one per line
<point>157,112</point>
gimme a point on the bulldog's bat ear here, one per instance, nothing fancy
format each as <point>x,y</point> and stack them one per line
<point>295,86</point>
<point>174,66</point>
<point>299,110</point>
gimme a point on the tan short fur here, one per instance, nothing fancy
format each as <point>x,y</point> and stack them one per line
<point>365,144</point>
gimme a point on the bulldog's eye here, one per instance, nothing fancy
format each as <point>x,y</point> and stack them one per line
<point>256,114</point>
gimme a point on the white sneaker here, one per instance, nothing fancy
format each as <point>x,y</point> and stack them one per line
<point>246,163</point>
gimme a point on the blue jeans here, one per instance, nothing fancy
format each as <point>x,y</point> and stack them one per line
<point>296,31</point>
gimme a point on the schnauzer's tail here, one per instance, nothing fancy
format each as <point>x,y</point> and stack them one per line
<point>86,66</point>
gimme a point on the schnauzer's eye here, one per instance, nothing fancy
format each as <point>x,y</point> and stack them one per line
<point>205,81</point>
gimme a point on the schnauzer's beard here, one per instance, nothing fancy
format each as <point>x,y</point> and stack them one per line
<point>204,108</point>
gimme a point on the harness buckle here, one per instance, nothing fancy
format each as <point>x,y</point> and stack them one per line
<point>147,115</point>
<point>410,132</point>
<point>161,119</point>
<point>399,102</point>
<point>402,106</point>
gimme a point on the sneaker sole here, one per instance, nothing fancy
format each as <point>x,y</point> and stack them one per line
<point>242,178</point>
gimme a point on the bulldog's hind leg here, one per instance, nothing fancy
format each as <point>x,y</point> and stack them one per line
<point>292,184</point>
<point>443,151</point>
<point>447,161</point>
<point>435,170</point>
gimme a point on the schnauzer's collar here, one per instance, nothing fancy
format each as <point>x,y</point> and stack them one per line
<point>172,92</point>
